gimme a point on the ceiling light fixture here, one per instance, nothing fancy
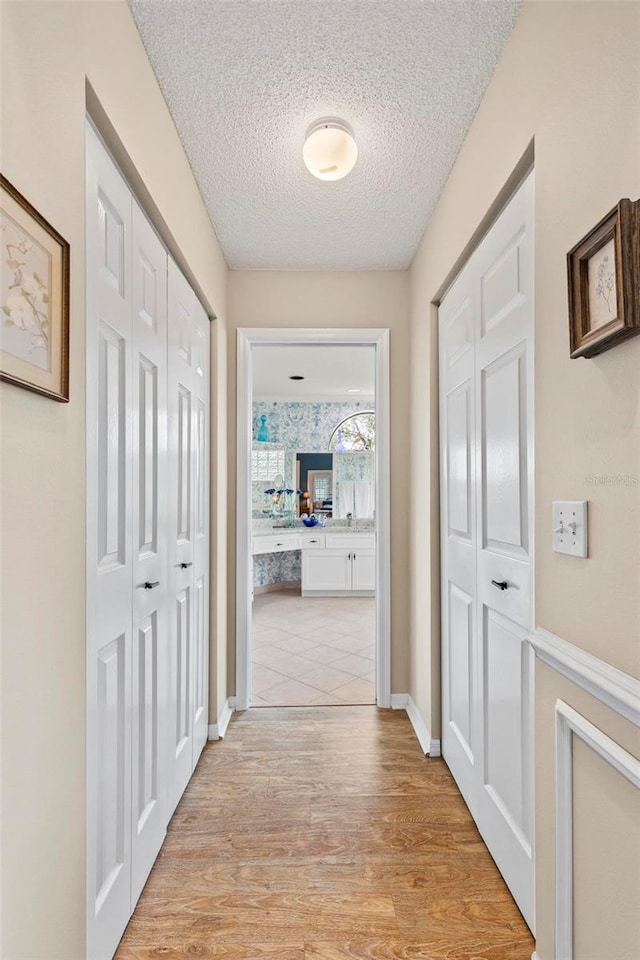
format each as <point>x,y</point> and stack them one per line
<point>354,390</point>
<point>330,151</point>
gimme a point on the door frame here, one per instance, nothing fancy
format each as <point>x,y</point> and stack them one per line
<point>247,338</point>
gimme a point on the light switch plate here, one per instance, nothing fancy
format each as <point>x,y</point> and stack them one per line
<point>570,527</point>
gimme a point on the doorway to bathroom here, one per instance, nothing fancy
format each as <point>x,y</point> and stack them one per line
<point>313,518</point>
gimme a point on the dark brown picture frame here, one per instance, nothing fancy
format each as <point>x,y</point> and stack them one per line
<point>620,229</point>
<point>53,383</point>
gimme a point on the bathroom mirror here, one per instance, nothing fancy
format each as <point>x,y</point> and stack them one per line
<point>314,473</point>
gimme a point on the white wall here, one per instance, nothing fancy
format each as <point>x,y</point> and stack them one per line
<point>569,79</point>
<point>48,49</point>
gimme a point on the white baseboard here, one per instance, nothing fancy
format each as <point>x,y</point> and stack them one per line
<point>218,730</point>
<point>399,701</point>
<point>403,701</point>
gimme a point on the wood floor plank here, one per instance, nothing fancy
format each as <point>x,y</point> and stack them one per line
<point>473,949</point>
<point>263,918</point>
<point>323,833</point>
<point>391,874</point>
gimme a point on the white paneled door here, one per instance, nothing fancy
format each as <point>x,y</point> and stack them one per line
<point>486,434</point>
<point>147,545</point>
<point>150,640</point>
<point>109,551</point>
<point>188,526</point>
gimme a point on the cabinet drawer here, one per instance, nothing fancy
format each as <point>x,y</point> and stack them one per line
<point>351,541</point>
<point>274,544</point>
<point>316,542</point>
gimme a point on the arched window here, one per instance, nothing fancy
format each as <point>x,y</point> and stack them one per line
<point>357,432</point>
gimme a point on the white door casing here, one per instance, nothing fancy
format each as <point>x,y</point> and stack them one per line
<point>486,447</point>
<point>246,338</point>
<point>109,551</point>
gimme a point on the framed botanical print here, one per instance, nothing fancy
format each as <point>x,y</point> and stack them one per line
<point>604,282</point>
<point>34,298</point>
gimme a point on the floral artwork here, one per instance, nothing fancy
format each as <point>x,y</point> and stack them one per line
<point>603,273</point>
<point>26,285</point>
<point>602,286</point>
<point>34,298</point>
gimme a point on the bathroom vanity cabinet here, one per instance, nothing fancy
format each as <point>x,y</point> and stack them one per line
<point>339,564</point>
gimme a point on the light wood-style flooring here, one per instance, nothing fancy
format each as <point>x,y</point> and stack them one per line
<point>323,833</point>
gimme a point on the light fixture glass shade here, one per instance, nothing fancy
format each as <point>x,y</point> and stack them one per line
<point>329,151</point>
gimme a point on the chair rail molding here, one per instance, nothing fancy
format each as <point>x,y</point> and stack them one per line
<point>611,686</point>
<point>570,723</point>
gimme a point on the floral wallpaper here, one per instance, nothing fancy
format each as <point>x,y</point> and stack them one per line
<point>276,567</point>
<point>304,427</point>
<point>353,465</point>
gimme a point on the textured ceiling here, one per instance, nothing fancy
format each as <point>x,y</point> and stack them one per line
<point>329,372</point>
<point>244,79</point>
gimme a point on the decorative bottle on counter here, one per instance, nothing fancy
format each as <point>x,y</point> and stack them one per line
<point>263,431</point>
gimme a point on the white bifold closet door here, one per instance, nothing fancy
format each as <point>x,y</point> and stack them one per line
<point>486,446</point>
<point>189,524</point>
<point>147,481</point>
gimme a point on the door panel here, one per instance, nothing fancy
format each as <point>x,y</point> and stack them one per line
<point>111,823</point>
<point>486,484</point>
<point>504,454</point>
<point>460,666</point>
<point>459,462</point>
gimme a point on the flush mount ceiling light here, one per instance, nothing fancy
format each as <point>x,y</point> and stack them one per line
<point>329,151</point>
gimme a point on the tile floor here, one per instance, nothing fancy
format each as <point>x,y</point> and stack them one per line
<point>313,650</point>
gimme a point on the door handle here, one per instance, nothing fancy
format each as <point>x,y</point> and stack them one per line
<point>354,556</point>
<point>500,584</point>
<point>150,584</point>
<point>185,565</point>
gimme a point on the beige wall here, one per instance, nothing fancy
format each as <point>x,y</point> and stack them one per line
<point>319,299</point>
<point>47,51</point>
<point>570,80</point>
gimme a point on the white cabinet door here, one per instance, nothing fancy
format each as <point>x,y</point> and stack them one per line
<point>109,553</point>
<point>486,494</point>
<point>363,569</point>
<point>150,641</point>
<point>326,570</point>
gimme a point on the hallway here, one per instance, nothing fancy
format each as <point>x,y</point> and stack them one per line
<point>323,833</point>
